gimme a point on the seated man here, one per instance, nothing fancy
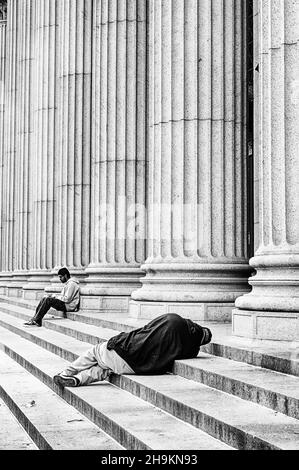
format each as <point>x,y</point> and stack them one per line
<point>67,301</point>
<point>151,349</point>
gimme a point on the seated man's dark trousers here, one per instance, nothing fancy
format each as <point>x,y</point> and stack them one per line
<point>45,304</point>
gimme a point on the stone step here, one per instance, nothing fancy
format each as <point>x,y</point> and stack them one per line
<point>50,421</point>
<point>132,422</point>
<point>64,346</point>
<point>81,331</point>
<point>273,355</point>
<point>19,302</point>
<point>239,423</point>
<point>279,356</point>
<point>113,320</point>
<point>274,390</point>
<point>12,435</point>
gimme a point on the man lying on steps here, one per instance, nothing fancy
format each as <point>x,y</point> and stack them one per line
<point>151,349</point>
<point>67,301</point>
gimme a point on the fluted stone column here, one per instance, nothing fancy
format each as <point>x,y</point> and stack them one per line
<point>17,147</point>
<point>44,151</point>
<point>118,154</point>
<point>73,130</point>
<point>271,310</point>
<point>2,114</point>
<point>197,236</point>
<point>3,27</point>
<point>10,141</point>
<point>24,146</point>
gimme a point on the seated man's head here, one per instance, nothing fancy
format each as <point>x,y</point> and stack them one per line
<point>64,275</point>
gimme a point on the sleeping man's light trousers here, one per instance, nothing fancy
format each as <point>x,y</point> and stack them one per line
<point>97,364</point>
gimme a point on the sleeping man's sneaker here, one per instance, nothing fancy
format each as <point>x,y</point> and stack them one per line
<point>64,381</point>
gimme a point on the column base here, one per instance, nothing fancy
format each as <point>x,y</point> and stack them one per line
<point>14,290</point>
<point>34,289</point>
<point>276,326</point>
<point>35,294</point>
<point>105,303</point>
<point>5,280</point>
<point>109,288</point>
<point>15,285</point>
<point>220,312</point>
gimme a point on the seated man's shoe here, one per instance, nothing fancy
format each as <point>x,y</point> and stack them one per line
<point>64,381</point>
<point>32,323</point>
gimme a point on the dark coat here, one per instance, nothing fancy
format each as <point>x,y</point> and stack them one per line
<point>153,348</point>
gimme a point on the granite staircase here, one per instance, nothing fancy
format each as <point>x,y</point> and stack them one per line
<point>236,394</point>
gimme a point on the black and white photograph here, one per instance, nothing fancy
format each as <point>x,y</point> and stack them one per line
<point>149,230</point>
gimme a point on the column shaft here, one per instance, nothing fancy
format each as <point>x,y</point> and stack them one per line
<point>24,146</point>
<point>43,148</point>
<point>45,121</point>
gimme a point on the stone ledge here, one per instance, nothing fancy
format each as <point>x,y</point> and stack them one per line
<point>195,311</point>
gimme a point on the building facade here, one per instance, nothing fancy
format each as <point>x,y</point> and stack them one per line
<point>131,152</point>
